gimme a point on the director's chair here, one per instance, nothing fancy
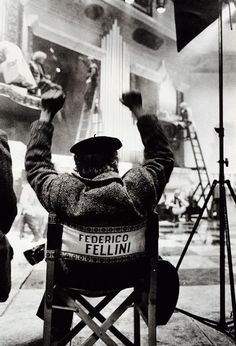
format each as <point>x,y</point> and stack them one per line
<point>74,243</point>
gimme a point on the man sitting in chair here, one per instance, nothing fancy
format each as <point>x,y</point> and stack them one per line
<point>95,194</point>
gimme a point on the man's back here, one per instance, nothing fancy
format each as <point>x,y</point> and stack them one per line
<point>105,199</point>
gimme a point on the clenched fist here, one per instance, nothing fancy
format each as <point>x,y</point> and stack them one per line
<point>52,100</point>
<point>133,100</point>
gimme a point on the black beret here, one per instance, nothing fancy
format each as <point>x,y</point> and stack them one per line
<point>99,144</point>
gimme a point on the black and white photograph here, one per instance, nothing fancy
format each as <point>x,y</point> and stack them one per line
<point>117,172</point>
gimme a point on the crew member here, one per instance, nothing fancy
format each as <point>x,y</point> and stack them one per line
<point>95,194</point>
<point>185,113</point>
<point>177,205</point>
<point>32,212</point>
<point>8,211</point>
<point>36,65</point>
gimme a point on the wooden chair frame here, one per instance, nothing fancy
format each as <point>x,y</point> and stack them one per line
<point>79,304</point>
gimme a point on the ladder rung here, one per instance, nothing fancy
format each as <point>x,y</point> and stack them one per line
<point>204,182</point>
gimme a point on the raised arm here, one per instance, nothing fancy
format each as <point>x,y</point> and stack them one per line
<point>41,173</point>
<point>147,182</point>
<point>8,208</point>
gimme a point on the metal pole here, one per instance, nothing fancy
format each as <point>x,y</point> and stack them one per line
<point>220,131</point>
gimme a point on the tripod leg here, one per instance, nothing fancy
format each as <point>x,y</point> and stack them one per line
<point>231,190</point>
<point>215,182</point>
<point>230,262</point>
<point>222,323</point>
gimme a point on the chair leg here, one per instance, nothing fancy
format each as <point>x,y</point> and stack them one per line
<point>152,299</point>
<point>94,312</point>
<point>152,329</point>
<point>137,341</point>
<point>99,332</point>
<point>47,328</point>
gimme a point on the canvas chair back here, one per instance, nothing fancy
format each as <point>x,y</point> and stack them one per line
<point>96,244</point>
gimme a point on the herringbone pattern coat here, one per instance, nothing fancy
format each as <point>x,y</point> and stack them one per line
<point>107,199</point>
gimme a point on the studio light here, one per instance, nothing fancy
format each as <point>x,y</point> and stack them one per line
<point>161,6</point>
<point>130,2</point>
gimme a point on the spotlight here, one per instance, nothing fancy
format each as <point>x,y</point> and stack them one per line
<point>161,6</point>
<point>130,2</point>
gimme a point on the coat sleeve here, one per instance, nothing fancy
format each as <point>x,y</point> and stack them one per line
<point>41,174</point>
<point>145,184</point>
<point>8,203</point>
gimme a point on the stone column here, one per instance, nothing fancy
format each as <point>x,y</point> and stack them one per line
<point>3,20</point>
<point>11,21</point>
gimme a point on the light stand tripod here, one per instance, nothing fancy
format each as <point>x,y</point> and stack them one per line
<point>227,327</point>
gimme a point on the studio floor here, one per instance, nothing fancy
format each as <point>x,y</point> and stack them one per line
<point>199,292</point>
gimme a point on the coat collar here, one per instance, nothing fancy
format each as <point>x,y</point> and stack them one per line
<point>101,179</point>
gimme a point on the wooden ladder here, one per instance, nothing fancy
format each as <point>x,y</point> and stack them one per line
<point>203,187</point>
<point>89,105</point>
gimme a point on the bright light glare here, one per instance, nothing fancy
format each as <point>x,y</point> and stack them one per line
<point>130,2</point>
<point>160,6</point>
<point>161,10</point>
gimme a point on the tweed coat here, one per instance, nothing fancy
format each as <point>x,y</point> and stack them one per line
<point>8,212</point>
<point>8,209</point>
<point>108,199</point>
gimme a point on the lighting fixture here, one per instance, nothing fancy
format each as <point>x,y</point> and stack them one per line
<point>161,6</point>
<point>130,2</point>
